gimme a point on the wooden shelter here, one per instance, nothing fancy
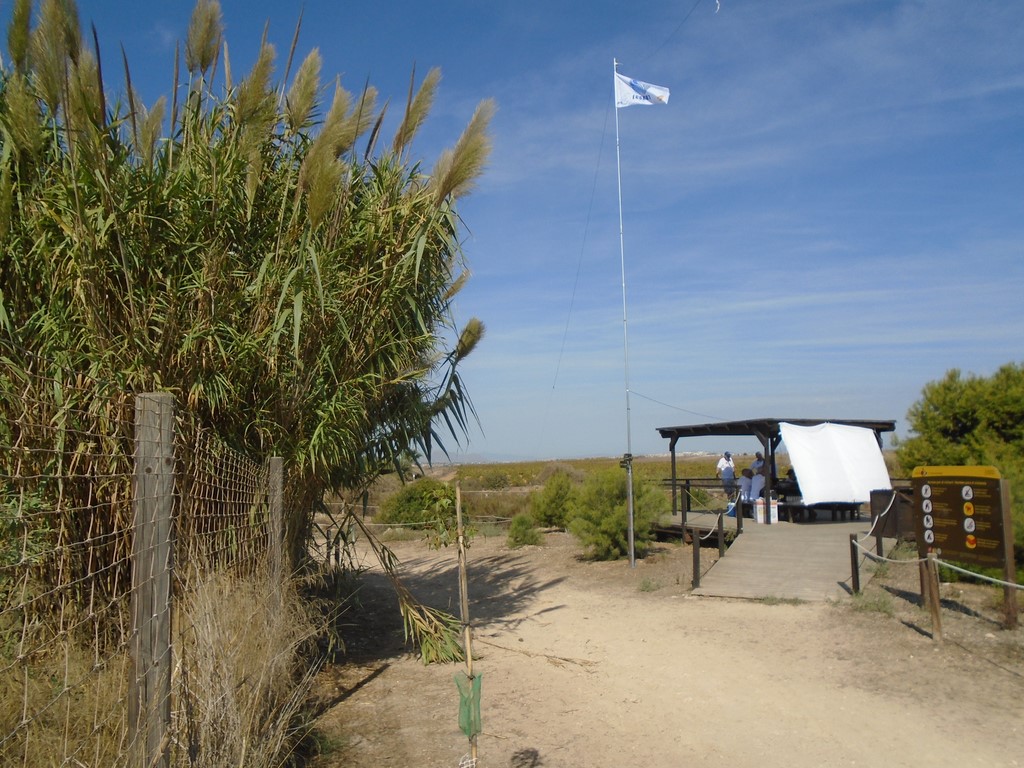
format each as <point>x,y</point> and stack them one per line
<point>768,433</point>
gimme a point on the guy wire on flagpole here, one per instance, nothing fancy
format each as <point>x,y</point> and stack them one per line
<point>627,459</point>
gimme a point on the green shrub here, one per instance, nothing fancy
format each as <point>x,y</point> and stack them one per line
<point>550,505</point>
<point>496,480</point>
<point>599,514</point>
<point>423,501</point>
<point>521,532</point>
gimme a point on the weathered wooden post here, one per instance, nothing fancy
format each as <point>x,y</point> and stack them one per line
<point>473,703</point>
<point>934,599</point>
<point>695,543</point>
<point>149,702</point>
<point>275,523</point>
<point>854,564</point>
<point>1010,567</point>
<point>675,487</point>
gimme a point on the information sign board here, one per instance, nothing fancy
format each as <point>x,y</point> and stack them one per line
<point>958,514</point>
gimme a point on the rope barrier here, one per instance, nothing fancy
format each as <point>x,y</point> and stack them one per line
<point>707,536</point>
<point>880,558</point>
<point>981,576</point>
<point>945,564</point>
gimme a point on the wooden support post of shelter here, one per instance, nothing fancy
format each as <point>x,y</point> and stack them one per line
<point>149,702</point>
<point>675,494</point>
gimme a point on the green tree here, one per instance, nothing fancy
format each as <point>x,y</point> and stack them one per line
<point>962,420</point>
<point>599,514</point>
<point>550,505</point>
<point>521,532</point>
<point>418,503</point>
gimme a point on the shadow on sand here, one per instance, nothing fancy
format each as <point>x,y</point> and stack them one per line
<point>501,587</point>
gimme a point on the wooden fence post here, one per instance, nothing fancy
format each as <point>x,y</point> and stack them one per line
<point>275,523</point>
<point>149,703</point>
<point>934,599</point>
<point>854,564</point>
<point>1010,567</point>
<point>695,539</point>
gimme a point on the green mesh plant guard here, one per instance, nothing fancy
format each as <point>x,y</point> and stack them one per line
<point>469,704</point>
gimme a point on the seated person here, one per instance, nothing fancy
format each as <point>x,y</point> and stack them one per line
<point>746,479</point>
<point>757,465</point>
<point>788,487</point>
<point>756,485</point>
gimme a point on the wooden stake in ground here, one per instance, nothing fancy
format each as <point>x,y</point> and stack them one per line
<point>932,595</point>
<point>469,689</point>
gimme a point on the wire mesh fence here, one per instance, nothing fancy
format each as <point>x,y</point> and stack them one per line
<point>108,528</point>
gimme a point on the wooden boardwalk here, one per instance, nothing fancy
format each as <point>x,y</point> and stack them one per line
<point>788,561</point>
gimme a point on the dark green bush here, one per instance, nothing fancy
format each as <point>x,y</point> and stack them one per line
<point>423,501</point>
<point>521,532</point>
<point>550,505</point>
<point>599,514</point>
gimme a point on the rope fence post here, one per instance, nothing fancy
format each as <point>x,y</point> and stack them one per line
<point>721,535</point>
<point>1010,568</point>
<point>854,564</point>
<point>934,601</point>
<point>695,539</point>
<point>149,702</point>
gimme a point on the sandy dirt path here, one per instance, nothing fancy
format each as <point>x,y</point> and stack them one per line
<point>591,665</point>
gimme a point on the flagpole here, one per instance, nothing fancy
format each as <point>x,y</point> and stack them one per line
<point>627,460</point>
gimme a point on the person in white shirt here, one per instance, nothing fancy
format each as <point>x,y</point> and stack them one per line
<point>727,471</point>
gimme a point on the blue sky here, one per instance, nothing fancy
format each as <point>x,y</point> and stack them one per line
<point>828,214</point>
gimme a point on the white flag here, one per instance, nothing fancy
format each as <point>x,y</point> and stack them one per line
<point>629,92</point>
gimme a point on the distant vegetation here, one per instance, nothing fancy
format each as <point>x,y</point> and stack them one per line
<point>584,496</point>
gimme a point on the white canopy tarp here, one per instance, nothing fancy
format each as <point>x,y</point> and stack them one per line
<point>835,462</point>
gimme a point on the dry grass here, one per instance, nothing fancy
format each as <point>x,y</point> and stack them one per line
<point>243,680</point>
<point>60,706</point>
<point>240,684</point>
